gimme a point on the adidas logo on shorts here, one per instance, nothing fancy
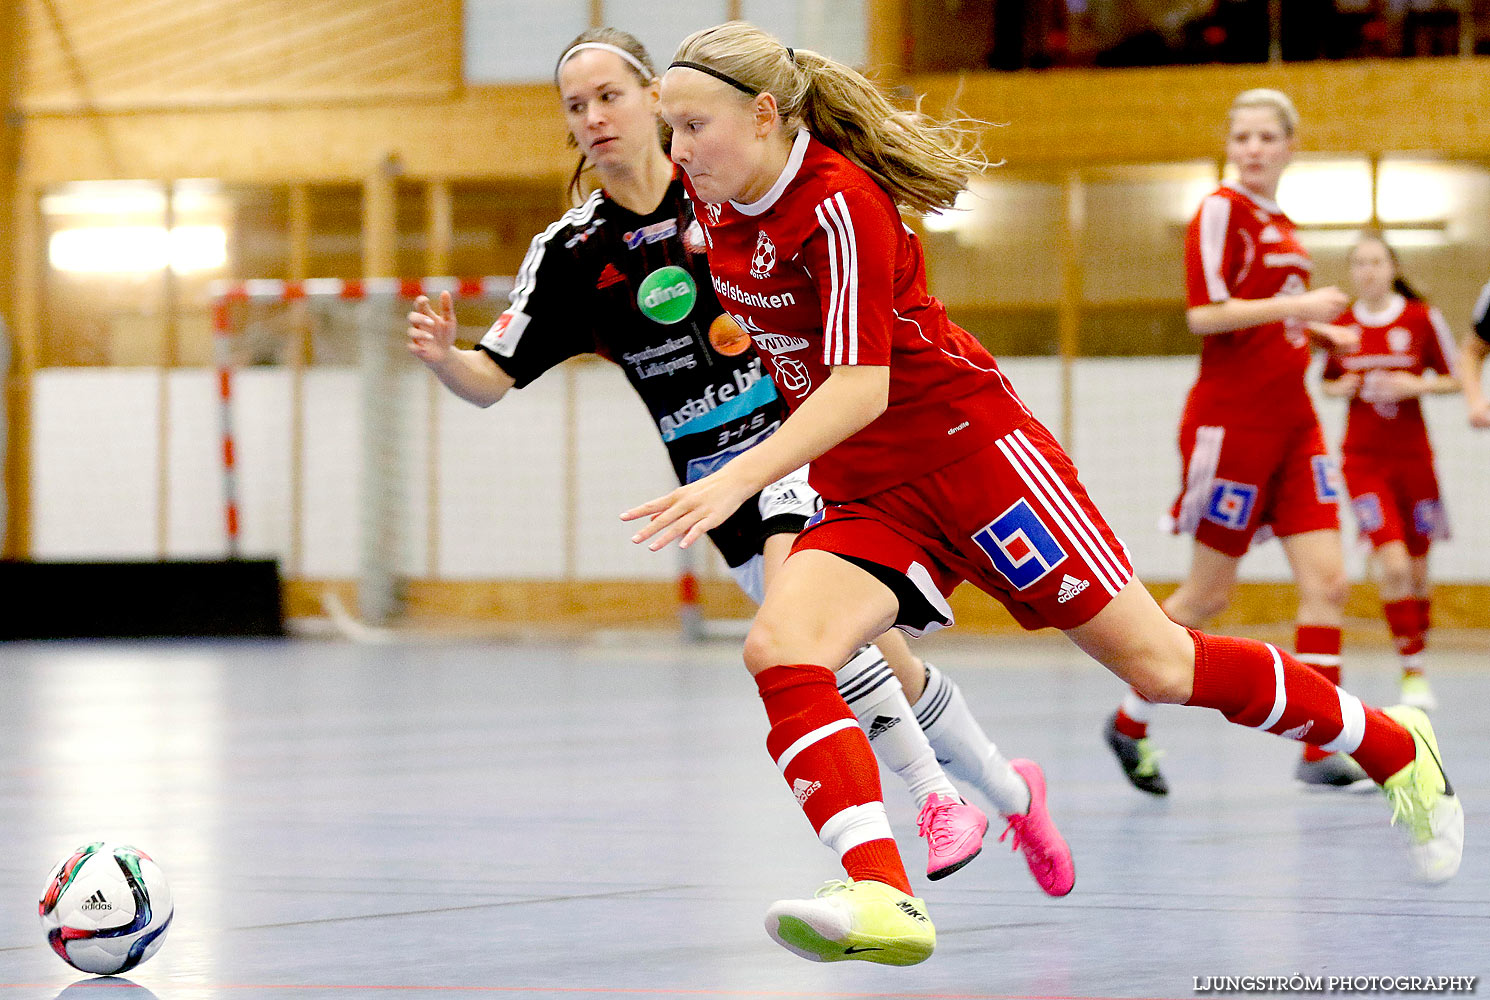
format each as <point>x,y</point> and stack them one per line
<point>1070,587</point>
<point>804,789</point>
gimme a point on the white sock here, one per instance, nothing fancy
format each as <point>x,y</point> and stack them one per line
<point>877,700</point>
<point>964,749</point>
<point>1137,707</point>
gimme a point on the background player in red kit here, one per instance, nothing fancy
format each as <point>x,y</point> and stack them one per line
<point>1404,353</point>
<point>933,472</point>
<point>1253,454</point>
<point>579,291</point>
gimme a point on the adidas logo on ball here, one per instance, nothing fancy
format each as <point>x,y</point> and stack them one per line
<point>96,902</point>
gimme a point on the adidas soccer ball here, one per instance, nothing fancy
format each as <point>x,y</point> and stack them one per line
<point>106,908</point>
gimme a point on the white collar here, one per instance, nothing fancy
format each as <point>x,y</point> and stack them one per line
<point>788,173</point>
<point>1390,312</point>
<point>1266,204</point>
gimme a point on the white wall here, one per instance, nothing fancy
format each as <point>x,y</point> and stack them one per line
<point>501,473</point>
<point>834,27</point>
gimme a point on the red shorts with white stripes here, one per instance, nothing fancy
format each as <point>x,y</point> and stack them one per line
<point>1241,479</point>
<point>1395,499</point>
<point>1011,519</point>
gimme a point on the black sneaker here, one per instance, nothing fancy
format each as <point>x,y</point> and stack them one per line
<point>1139,760</point>
<point>1336,770</point>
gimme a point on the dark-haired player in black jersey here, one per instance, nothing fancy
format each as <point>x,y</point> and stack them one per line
<point>1472,356</point>
<point>624,275</point>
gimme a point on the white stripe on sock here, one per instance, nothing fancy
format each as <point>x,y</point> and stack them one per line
<point>855,825</point>
<point>1137,707</point>
<point>1280,695</point>
<point>820,733</point>
<point>1353,714</point>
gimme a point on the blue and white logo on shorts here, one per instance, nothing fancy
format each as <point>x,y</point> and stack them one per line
<point>1020,545</point>
<point>1327,484</point>
<point>1367,508</point>
<point>1231,504</point>
<point>1429,520</point>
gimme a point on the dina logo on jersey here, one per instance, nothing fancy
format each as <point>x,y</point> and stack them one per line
<point>667,295</point>
<point>764,259</point>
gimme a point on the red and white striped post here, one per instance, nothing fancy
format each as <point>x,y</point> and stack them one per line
<point>222,350</point>
<point>224,294</point>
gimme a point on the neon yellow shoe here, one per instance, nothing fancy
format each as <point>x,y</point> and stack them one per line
<point>1424,801</point>
<point>854,921</point>
<point>1417,692</point>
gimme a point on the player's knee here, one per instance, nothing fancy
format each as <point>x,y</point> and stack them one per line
<point>761,648</point>
<point>1161,667</point>
<point>1328,587</point>
<point>1195,605</point>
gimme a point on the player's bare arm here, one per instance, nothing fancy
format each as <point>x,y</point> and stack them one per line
<point>471,375</point>
<point>847,402</point>
<point>1472,368</point>
<point>1319,306</point>
<point>1343,387</point>
<point>1330,336</point>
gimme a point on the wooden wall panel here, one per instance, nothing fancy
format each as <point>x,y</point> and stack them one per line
<point>1074,117</point>
<point>122,54</point>
<point>1053,120</point>
<point>499,133</point>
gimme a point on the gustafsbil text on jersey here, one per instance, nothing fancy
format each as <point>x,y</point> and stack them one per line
<point>635,289</point>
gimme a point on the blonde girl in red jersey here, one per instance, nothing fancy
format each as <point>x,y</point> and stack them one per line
<point>1405,353</point>
<point>1253,453</point>
<point>933,473</point>
<point>579,293</point>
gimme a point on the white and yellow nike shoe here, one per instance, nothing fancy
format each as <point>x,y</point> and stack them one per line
<point>854,921</point>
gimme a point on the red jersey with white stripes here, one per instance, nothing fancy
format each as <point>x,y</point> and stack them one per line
<point>1242,246</point>
<point>1406,336</point>
<point>822,272</point>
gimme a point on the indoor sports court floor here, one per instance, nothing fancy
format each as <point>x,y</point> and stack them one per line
<point>598,819</point>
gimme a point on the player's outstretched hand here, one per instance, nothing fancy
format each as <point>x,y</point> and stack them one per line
<point>1479,416</point>
<point>689,511</point>
<point>1321,304</point>
<point>1341,339</point>
<point>1383,386</point>
<point>431,333</point>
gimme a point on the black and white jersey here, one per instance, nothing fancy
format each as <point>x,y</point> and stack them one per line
<point>635,289</point>
<point>1480,318</point>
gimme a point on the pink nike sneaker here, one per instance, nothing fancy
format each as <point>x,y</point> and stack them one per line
<point>1044,848</point>
<point>954,834</point>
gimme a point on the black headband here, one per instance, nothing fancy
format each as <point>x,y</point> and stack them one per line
<point>716,74</point>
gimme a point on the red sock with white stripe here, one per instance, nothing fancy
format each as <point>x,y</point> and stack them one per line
<point>1318,647</point>
<point>1134,715</point>
<point>826,760</point>
<point>1403,619</point>
<point>1256,684</point>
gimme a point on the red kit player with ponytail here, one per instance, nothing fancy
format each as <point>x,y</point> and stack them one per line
<point>1406,351</point>
<point>932,470</point>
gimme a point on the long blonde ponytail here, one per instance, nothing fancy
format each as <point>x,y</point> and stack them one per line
<point>922,164</point>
